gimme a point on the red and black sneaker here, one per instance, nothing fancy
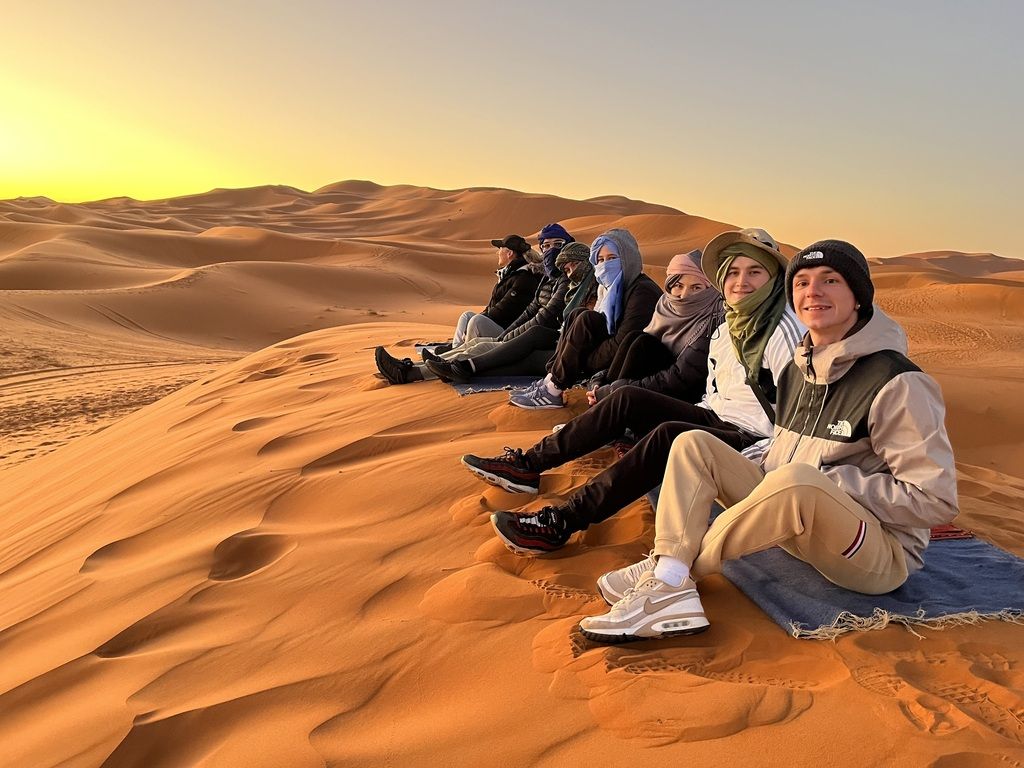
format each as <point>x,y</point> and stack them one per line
<point>510,471</point>
<point>533,533</point>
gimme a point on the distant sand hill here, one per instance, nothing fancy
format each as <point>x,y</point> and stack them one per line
<point>278,562</point>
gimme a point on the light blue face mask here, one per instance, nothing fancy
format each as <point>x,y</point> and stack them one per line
<point>607,272</point>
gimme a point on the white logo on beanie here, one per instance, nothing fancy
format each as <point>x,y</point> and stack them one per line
<point>812,255</point>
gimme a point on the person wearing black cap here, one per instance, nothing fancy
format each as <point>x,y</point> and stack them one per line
<point>513,291</point>
<point>859,470</point>
<point>516,285</point>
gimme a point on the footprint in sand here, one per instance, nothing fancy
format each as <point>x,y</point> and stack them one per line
<point>394,441</point>
<point>714,697</point>
<point>267,373</point>
<point>247,553</point>
<point>945,691</point>
<point>161,630</point>
<point>255,423</point>
<point>976,760</point>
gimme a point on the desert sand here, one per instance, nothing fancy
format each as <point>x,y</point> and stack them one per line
<point>225,542</point>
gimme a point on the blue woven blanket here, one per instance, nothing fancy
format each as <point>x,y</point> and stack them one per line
<point>963,581</point>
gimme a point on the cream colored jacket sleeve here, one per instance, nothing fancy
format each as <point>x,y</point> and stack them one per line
<point>915,483</point>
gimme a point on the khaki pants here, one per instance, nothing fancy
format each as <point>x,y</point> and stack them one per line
<point>795,507</point>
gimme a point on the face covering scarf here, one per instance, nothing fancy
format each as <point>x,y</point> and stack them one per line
<point>753,319</point>
<point>549,260</point>
<point>609,275</point>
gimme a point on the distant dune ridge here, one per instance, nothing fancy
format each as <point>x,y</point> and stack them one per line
<point>278,562</point>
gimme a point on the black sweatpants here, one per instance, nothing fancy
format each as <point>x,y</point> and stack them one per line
<point>657,419</point>
<point>526,354</point>
<point>584,330</point>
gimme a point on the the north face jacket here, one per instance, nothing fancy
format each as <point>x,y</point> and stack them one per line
<point>513,291</point>
<point>872,422</point>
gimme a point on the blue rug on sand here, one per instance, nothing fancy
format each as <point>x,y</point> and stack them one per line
<point>484,383</point>
<point>963,581</point>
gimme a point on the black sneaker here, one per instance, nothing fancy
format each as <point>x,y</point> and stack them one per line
<point>510,471</point>
<point>457,371</point>
<point>532,533</point>
<point>427,356</point>
<point>391,368</point>
<point>440,349</point>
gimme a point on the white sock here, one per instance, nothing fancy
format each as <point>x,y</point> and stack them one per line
<point>671,571</point>
<point>551,385</point>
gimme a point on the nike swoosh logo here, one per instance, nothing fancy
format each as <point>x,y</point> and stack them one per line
<point>651,607</point>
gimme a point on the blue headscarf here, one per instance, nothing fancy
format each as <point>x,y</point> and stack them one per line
<point>609,275</point>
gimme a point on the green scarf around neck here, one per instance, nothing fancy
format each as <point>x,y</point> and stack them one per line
<point>753,319</point>
<point>578,292</point>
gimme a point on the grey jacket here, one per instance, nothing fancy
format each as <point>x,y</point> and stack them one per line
<point>872,422</point>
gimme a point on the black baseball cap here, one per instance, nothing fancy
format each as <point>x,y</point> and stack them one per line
<point>515,243</point>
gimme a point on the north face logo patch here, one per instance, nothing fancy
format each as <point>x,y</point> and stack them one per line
<point>812,256</point>
<point>840,429</point>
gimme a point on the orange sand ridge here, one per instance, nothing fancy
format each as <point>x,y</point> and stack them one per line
<point>281,563</point>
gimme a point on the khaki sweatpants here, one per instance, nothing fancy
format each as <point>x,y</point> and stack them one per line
<point>794,507</point>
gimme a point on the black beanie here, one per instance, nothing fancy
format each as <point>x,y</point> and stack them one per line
<point>844,259</point>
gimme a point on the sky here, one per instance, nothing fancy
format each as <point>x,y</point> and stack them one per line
<point>894,125</point>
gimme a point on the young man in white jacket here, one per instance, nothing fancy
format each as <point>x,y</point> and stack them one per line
<point>859,470</point>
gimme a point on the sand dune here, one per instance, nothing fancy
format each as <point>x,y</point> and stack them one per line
<point>281,564</point>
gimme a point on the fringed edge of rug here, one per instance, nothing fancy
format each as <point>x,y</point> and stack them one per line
<point>851,622</point>
<point>476,391</point>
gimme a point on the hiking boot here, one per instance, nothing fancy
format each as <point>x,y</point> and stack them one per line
<point>650,610</point>
<point>510,471</point>
<point>536,397</point>
<point>391,368</point>
<point>457,371</point>
<point>533,533</point>
<point>614,584</point>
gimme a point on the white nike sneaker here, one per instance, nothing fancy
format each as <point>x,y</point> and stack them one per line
<point>613,585</point>
<point>651,610</point>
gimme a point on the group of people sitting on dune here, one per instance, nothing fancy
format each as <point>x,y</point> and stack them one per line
<point>776,388</point>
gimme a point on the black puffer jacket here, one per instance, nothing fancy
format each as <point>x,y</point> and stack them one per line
<point>545,310</point>
<point>516,285</point>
